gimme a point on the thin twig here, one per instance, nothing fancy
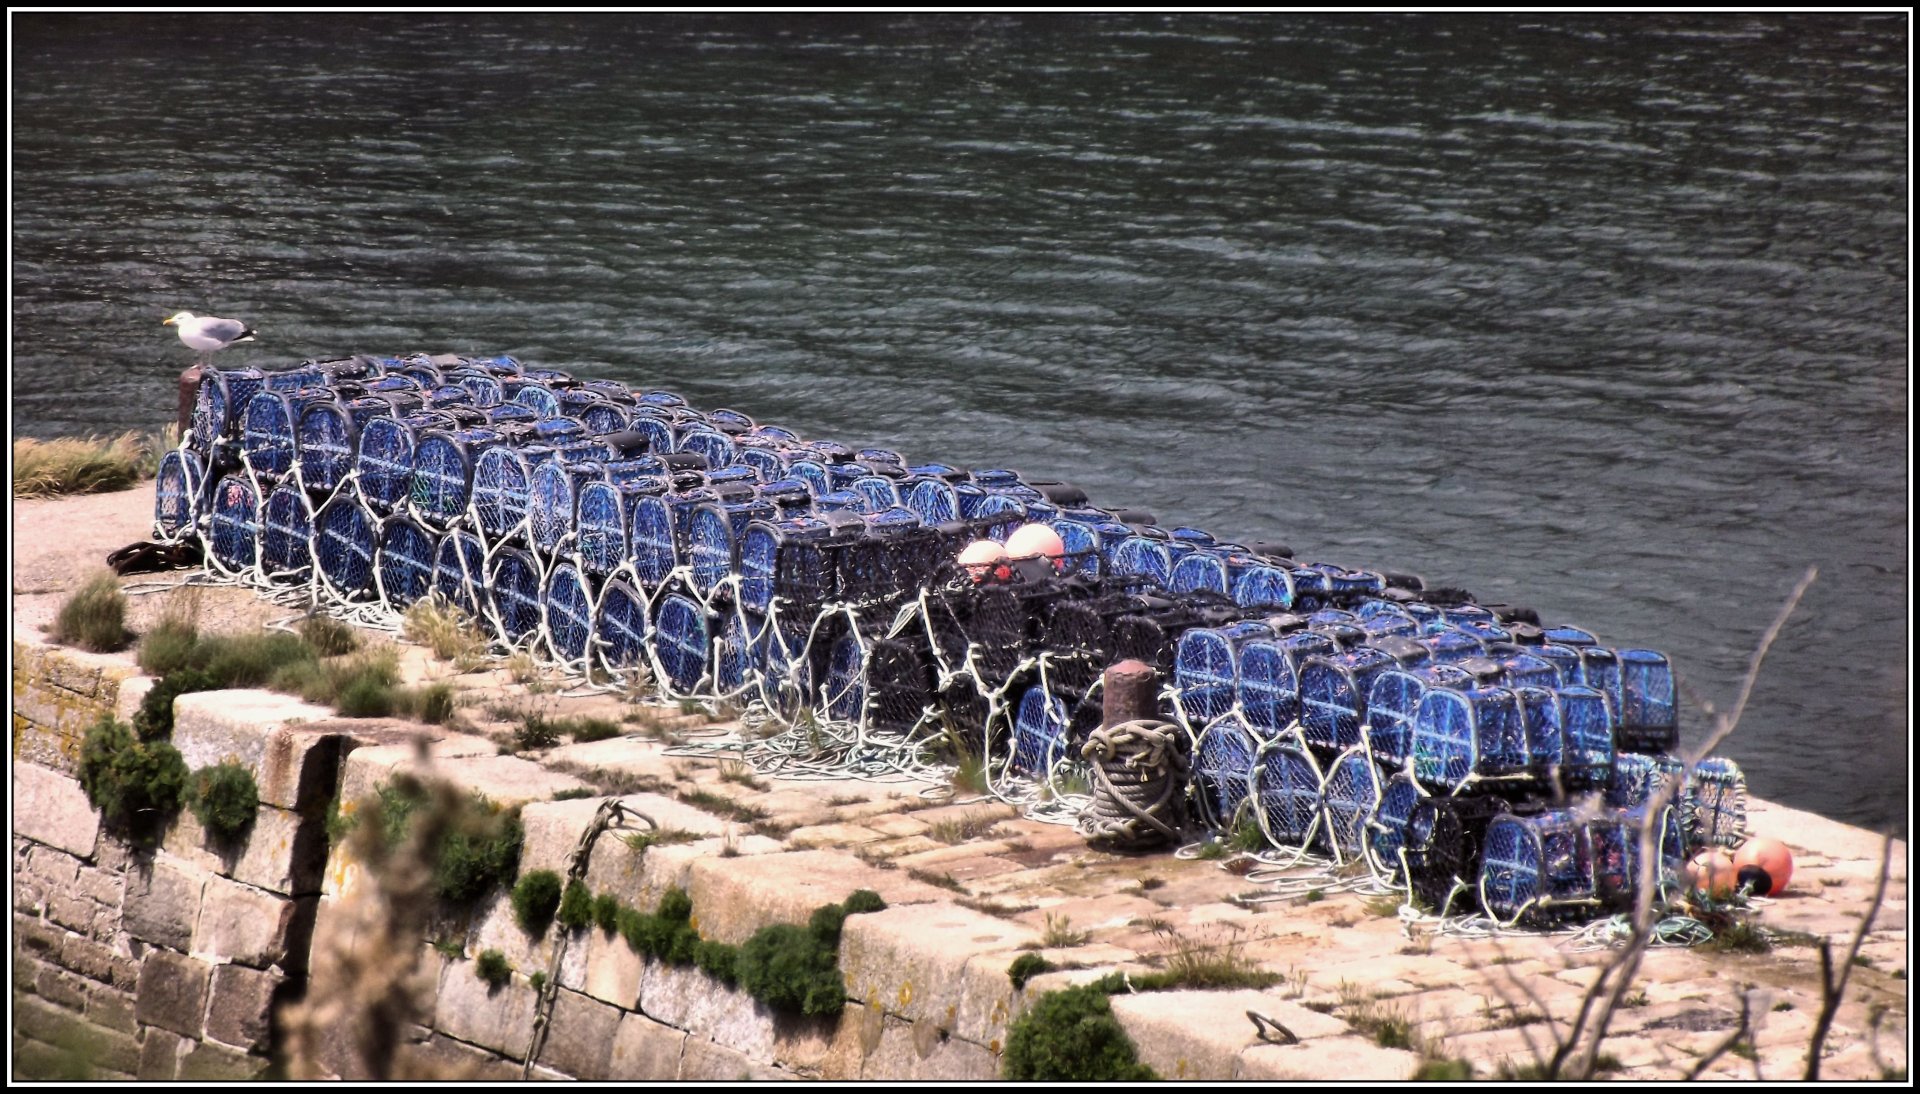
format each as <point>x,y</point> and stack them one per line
<point>1831,990</point>
<point>1701,1065</point>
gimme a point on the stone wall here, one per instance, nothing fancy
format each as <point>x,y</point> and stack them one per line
<point>59,693</point>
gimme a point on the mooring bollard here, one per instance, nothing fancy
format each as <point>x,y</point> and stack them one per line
<point>189,391</point>
<point>1139,765</point>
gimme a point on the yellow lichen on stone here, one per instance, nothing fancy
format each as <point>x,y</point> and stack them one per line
<point>906,994</point>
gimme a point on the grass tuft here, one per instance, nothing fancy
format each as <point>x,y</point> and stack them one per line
<point>443,627</point>
<point>95,616</point>
<point>77,465</point>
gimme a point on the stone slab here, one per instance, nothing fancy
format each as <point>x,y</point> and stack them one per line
<point>173,993</point>
<point>266,732</point>
<point>734,897</point>
<point>210,1062</point>
<point>50,808</point>
<point>241,1007</point>
<point>918,962</point>
<point>1327,1059</point>
<point>706,1061</point>
<point>645,1050</point>
<point>242,924</point>
<point>918,1052</point>
<point>499,1019</point>
<point>1202,1034</point>
<point>602,965</point>
<point>580,1036</point>
<point>163,902</point>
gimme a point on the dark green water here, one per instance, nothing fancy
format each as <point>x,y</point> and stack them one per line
<point>1605,314</point>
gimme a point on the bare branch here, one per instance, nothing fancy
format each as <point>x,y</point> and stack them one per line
<point>1746,1020</point>
<point>1833,988</point>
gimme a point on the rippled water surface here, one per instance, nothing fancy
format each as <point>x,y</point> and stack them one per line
<point>1606,315</point>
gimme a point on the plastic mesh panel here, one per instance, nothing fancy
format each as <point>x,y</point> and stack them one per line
<point>652,540</point>
<point>501,485</point>
<point>385,463</point>
<point>1039,732</point>
<point>680,640</point>
<point>709,547</point>
<point>234,535</point>
<point>459,571</point>
<point>623,625</point>
<point>326,435</point>
<point>1288,788</point>
<point>266,434</point>
<point>515,585</point>
<point>1349,797</point>
<point>344,538</point>
<point>405,561</point>
<point>176,491</point>
<point>1223,770</point>
<point>569,612</point>
<point>442,476</point>
<point>285,532</point>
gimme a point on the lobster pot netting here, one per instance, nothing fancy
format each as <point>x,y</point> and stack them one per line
<point>622,624</point>
<point>286,533</point>
<point>404,564</point>
<point>501,487</point>
<point>177,490</point>
<point>234,533</point>
<point>515,582</point>
<point>459,572</point>
<point>345,535</point>
<point>569,615</point>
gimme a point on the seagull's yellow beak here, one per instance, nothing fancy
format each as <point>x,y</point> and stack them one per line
<point>167,322</point>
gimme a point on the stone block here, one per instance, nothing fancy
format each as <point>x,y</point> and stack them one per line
<point>499,1019</point>
<point>453,1060</point>
<point>552,832</point>
<point>705,1061</point>
<point>494,928</point>
<point>1326,1059</point>
<point>242,924</point>
<point>36,936</point>
<point>919,1052</point>
<point>381,747</point>
<point>50,808</point>
<point>645,1050</point>
<point>57,986</point>
<point>603,966</point>
<point>734,897</point>
<point>132,693</point>
<point>918,961</point>
<point>284,852</point>
<point>160,1056</point>
<point>242,1006</point>
<point>72,911</point>
<point>211,1062</point>
<point>504,780</point>
<point>163,902</point>
<point>173,993</point>
<point>1202,1034</point>
<point>56,869</point>
<point>100,1049</point>
<point>580,1036</point>
<point>293,765</point>
<point>110,1008</point>
<point>106,887</point>
<point>686,998</point>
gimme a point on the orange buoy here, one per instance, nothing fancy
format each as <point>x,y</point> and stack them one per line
<point>1036,541</point>
<point>1712,873</point>
<point>1773,861</point>
<point>983,558</point>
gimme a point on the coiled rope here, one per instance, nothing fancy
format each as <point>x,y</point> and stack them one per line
<point>1140,781</point>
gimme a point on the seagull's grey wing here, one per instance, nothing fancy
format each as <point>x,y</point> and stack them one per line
<point>226,330</point>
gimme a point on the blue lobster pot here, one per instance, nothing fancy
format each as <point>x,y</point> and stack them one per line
<point>1394,700</point>
<point>622,625</point>
<point>345,537</point>
<point>178,492</point>
<point>233,536</point>
<point>1348,797</point>
<point>1459,735</point>
<point>1223,770</point>
<point>403,563</point>
<point>1039,732</point>
<point>1452,646</point>
<point>1536,869</point>
<point>1206,668</point>
<point>569,614</point>
<point>553,500</point>
<point>1647,705</point>
<point>711,444</point>
<point>443,473</point>
<point>652,539</point>
<point>1269,680</point>
<point>459,571</point>
<point>1287,792</point>
<point>502,490</point>
<point>1201,571</point>
<point>1143,556</point>
<point>681,640</point>
<point>286,532</point>
<point>1267,587</point>
<point>1333,694</point>
<point>516,588</point>
<point>1387,828</point>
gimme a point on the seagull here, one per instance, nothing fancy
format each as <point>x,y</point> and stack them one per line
<point>206,333</point>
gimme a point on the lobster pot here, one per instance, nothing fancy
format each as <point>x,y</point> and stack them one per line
<point>233,533</point>
<point>1462,735</point>
<point>709,536</point>
<point>286,532</point>
<point>651,538</point>
<point>447,395</point>
<point>1519,669</point>
<point>1077,634</point>
<point>622,624</point>
<point>1613,837</point>
<point>536,397</point>
<point>1713,804</point>
<point>900,680</point>
<point>267,432</point>
<point>1442,844</point>
<point>1384,625</point>
<point>604,416</point>
<point>1286,783</point>
<point>511,414</point>
<point>459,571</point>
<point>404,563</point>
<point>1538,870</point>
<point>762,457</point>
<point>443,474</point>
<point>385,463</point>
<point>1269,683</point>
<point>420,370</point>
<point>1648,717</point>
<point>515,584</point>
<point>659,434</point>
<point>325,439</point>
<point>1039,732</point>
<point>1394,699</point>
<point>1002,515</point>
<point>792,560</point>
<point>876,492</point>
<point>1670,849</point>
<point>1451,646</point>
<point>1567,735</point>
<point>681,641</point>
<point>1636,778</point>
<point>735,653</point>
<point>995,625</point>
<point>568,609</point>
<point>1081,546</point>
<point>1600,670</point>
<point>552,498</point>
<point>1141,556</point>
<point>558,430</point>
<point>605,512</point>
<point>845,501</point>
<point>932,500</point>
<point>1486,630</point>
<point>345,535</point>
<point>177,492</point>
<point>1570,636</point>
<point>1387,828</point>
<point>1348,798</point>
<point>814,474</point>
<point>212,410</point>
<point>1206,668</point>
<point>712,444</point>
<point>730,422</point>
<point>1222,772</point>
<point>292,379</point>
<point>789,498</point>
<point>893,557</point>
<point>1201,571</point>
<point>1333,694</point>
<point>786,676</point>
<point>502,491</point>
<point>843,683</point>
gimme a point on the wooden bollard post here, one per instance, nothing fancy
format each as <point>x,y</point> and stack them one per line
<point>1128,694</point>
<point>189,391</point>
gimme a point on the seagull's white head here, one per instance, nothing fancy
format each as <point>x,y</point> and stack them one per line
<point>177,317</point>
